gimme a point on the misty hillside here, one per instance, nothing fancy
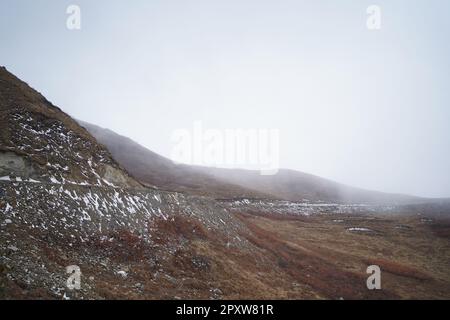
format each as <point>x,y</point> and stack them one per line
<point>291,185</point>
<point>155,170</point>
<point>299,186</point>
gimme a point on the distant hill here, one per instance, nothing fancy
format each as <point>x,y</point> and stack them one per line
<point>153,169</point>
<point>299,186</point>
<point>157,171</point>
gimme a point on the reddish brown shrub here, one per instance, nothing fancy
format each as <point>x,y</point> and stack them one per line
<point>399,269</point>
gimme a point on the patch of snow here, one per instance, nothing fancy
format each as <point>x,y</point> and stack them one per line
<point>360,229</point>
<point>8,208</point>
<point>53,180</point>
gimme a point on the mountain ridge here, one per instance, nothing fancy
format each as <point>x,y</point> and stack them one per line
<point>287,184</point>
<point>157,171</point>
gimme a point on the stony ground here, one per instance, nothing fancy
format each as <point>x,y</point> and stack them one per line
<point>195,256</point>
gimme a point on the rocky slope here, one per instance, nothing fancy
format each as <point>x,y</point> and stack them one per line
<point>60,188</point>
<point>40,142</point>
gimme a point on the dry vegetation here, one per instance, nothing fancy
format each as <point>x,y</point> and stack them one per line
<point>289,258</point>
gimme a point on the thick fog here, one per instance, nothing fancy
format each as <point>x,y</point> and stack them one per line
<point>362,105</point>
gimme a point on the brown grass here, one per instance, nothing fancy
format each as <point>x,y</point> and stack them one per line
<point>124,246</point>
<point>307,267</point>
<point>441,229</point>
<point>399,269</point>
<point>178,227</point>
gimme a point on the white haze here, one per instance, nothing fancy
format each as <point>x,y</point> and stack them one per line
<point>365,108</point>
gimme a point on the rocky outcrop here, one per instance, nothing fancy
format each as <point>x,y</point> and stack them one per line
<point>39,140</point>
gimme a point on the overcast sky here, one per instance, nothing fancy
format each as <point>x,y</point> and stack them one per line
<point>362,107</point>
